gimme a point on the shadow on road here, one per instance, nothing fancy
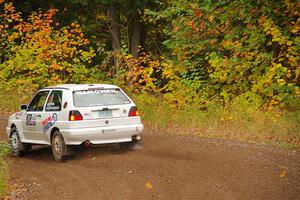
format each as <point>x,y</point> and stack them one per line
<point>44,152</point>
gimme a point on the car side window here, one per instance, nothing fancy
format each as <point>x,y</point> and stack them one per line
<point>38,102</point>
<point>54,101</point>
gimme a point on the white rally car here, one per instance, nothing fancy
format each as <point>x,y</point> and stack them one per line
<point>73,114</point>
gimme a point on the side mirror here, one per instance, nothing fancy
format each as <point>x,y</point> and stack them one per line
<point>23,107</point>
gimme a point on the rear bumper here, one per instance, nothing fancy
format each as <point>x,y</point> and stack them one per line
<point>102,135</point>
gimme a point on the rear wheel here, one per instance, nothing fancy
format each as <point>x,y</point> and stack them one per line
<point>17,147</point>
<point>59,147</point>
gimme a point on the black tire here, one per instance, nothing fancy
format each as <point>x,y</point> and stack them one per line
<point>17,147</point>
<point>59,148</point>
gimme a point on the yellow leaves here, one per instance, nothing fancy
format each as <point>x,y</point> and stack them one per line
<point>283,172</point>
<point>168,70</point>
<point>128,56</point>
<point>149,185</point>
<point>273,103</point>
<point>101,17</point>
<point>270,28</point>
<point>223,78</point>
<point>297,91</point>
<point>296,26</point>
<point>297,72</point>
<point>281,82</point>
<point>232,45</point>
<point>211,18</point>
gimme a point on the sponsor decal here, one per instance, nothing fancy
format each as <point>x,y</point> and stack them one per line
<point>48,122</point>
<point>108,91</point>
<point>30,120</point>
<point>18,115</point>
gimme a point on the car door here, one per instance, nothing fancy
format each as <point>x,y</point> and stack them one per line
<point>33,116</point>
<point>52,109</point>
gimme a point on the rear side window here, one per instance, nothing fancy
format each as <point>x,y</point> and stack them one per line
<point>99,97</point>
<point>54,101</point>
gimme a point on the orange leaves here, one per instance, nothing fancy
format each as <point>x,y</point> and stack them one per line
<point>54,67</point>
<point>43,51</point>
<point>10,13</point>
<point>191,24</point>
<point>144,73</point>
<point>197,12</point>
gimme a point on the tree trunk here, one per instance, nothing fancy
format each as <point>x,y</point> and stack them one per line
<point>115,26</point>
<point>134,34</point>
<point>2,58</point>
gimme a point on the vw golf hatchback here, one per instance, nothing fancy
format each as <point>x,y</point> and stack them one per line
<point>66,115</point>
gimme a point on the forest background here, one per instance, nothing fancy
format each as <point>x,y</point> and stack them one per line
<point>227,69</point>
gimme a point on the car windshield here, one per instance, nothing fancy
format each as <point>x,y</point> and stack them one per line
<point>99,97</point>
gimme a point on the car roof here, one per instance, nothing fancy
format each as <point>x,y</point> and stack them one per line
<point>81,86</point>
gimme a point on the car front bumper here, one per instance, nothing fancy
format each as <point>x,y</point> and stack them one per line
<point>102,135</point>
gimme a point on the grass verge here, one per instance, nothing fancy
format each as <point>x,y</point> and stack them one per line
<point>4,149</point>
<point>241,120</point>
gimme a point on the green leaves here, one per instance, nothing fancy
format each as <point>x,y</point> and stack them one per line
<point>235,47</point>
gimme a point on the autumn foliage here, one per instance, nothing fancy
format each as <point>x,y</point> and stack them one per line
<point>218,51</point>
<point>228,49</point>
<point>229,68</point>
<point>37,52</point>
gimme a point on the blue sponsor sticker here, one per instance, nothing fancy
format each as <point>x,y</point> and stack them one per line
<point>50,121</point>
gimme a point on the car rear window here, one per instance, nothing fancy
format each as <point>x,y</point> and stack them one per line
<point>99,97</point>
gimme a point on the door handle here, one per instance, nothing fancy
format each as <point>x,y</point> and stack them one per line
<point>38,116</point>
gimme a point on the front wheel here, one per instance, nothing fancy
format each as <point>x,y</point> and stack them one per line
<point>17,147</point>
<point>59,147</point>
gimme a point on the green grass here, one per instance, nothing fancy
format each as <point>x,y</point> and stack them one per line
<point>241,120</point>
<point>4,149</point>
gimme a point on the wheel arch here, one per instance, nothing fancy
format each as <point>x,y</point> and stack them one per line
<point>11,128</point>
<point>52,132</point>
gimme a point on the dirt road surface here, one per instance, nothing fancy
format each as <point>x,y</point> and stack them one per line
<point>168,167</point>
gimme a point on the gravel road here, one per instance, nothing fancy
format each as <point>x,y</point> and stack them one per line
<point>168,167</point>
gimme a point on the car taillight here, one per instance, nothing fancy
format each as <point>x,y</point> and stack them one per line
<point>74,115</point>
<point>133,112</point>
